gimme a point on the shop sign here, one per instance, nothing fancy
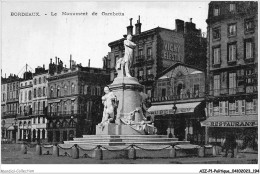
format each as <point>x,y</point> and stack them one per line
<point>170,111</point>
<point>233,123</point>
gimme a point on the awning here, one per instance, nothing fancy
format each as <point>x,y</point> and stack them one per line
<point>167,109</point>
<point>233,121</point>
<point>54,101</point>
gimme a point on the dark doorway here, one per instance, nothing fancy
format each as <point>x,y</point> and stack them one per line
<point>57,136</point>
<point>65,136</point>
<point>50,136</point>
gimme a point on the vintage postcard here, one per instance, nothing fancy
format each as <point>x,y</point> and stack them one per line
<point>134,83</point>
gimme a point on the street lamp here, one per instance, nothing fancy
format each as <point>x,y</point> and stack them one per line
<point>174,108</point>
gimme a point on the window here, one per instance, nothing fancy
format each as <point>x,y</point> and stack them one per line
<point>211,109</point>
<point>65,90</point>
<point>232,30</point>
<point>242,106</point>
<point>216,33</point>
<point>232,7</point>
<point>58,91</point>
<point>149,53</point>
<point>223,108</point>
<point>249,77</point>
<point>249,25</point>
<point>39,92</point>
<point>232,49</point>
<point>232,108</point>
<point>30,95</point>
<point>216,84</point>
<point>51,92</point>
<point>255,105</point>
<point>216,55</point>
<point>216,11</point>
<point>232,83</point>
<point>40,80</point>
<point>72,88</point>
<point>34,82</point>
<point>196,90</point>
<point>34,93</point>
<point>248,49</point>
<point>43,91</point>
<point>44,79</point>
<point>140,73</point>
<point>236,107</point>
<point>140,53</point>
<point>39,120</point>
<point>34,120</point>
<point>72,107</point>
<point>163,92</point>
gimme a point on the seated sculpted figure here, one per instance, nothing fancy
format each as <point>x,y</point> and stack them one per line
<point>109,101</point>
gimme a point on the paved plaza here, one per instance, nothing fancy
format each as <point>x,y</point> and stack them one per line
<point>10,154</point>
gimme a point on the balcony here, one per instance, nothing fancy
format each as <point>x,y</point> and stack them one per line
<point>63,113</point>
<point>186,96</point>
<point>40,112</point>
<point>140,58</point>
<point>234,91</point>
<point>9,114</point>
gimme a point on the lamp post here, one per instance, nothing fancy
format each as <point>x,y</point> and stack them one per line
<point>174,108</point>
<point>15,128</point>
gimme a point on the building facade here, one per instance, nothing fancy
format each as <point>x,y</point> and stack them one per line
<point>232,66</point>
<point>39,104</point>
<point>184,86</point>
<point>157,49</point>
<point>74,100</point>
<point>3,107</point>
<point>9,117</point>
<point>25,107</point>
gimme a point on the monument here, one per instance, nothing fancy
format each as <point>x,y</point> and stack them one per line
<point>124,102</point>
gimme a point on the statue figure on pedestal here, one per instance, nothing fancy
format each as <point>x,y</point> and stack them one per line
<point>126,61</point>
<point>109,101</point>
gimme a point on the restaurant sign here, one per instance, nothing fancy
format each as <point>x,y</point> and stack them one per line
<point>231,124</point>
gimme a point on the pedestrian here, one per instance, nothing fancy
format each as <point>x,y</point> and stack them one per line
<point>230,144</point>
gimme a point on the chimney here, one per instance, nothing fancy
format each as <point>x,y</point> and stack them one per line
<point>70,60</point>
<point>138,26</point>
<point>190,20</point>
<point>51,60</point>
<point>179,25</point>
<point>88,62</point>
<point>43,66</point>
<point>130,28</point>
<point>58,60</point>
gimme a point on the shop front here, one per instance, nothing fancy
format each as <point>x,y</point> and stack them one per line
<point>184,124</point>
<point>245,129</point>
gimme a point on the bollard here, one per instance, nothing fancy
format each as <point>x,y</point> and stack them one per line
<point>214,151</point>
<point>23,149</point>
<point>132,152</point>
<point>38,149</point>
<point>75,152</point>
<point>172,152</point>
<point>201,151</point>
<point>55,150</point>
<point>98,153</point>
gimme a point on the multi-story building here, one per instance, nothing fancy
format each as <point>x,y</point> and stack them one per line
<point>39,104</point>
<point>25,107</point>
<point>9,117</point>
<point>158,49</point>
<point>232,72</point>
<point>183,86</point>
<point>3,106</point>
<point>74,100</point>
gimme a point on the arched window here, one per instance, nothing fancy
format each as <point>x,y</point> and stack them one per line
<point>34,82</point>
<point>34,92</point>
<point>65,124</point>
<point>72,88</point>
<point>58,91</point>
<point>65,90</point>
<point>58,124</point>
<point>65,107</point>
<point>72,107</point>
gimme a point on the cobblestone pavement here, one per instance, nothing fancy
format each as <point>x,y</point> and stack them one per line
<point>10,154</point>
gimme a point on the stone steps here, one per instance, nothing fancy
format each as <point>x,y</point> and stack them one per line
<point>124,136</point>
<point>126,143</point>
<point>132,139</point>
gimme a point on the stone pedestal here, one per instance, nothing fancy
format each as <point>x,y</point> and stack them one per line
<point>114,129</point>
<point>127,90</point>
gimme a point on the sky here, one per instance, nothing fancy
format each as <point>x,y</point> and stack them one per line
<point>36,39</point>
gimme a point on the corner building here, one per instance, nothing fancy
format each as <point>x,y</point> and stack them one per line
<point>74,100</point>
<point>232,68</point>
